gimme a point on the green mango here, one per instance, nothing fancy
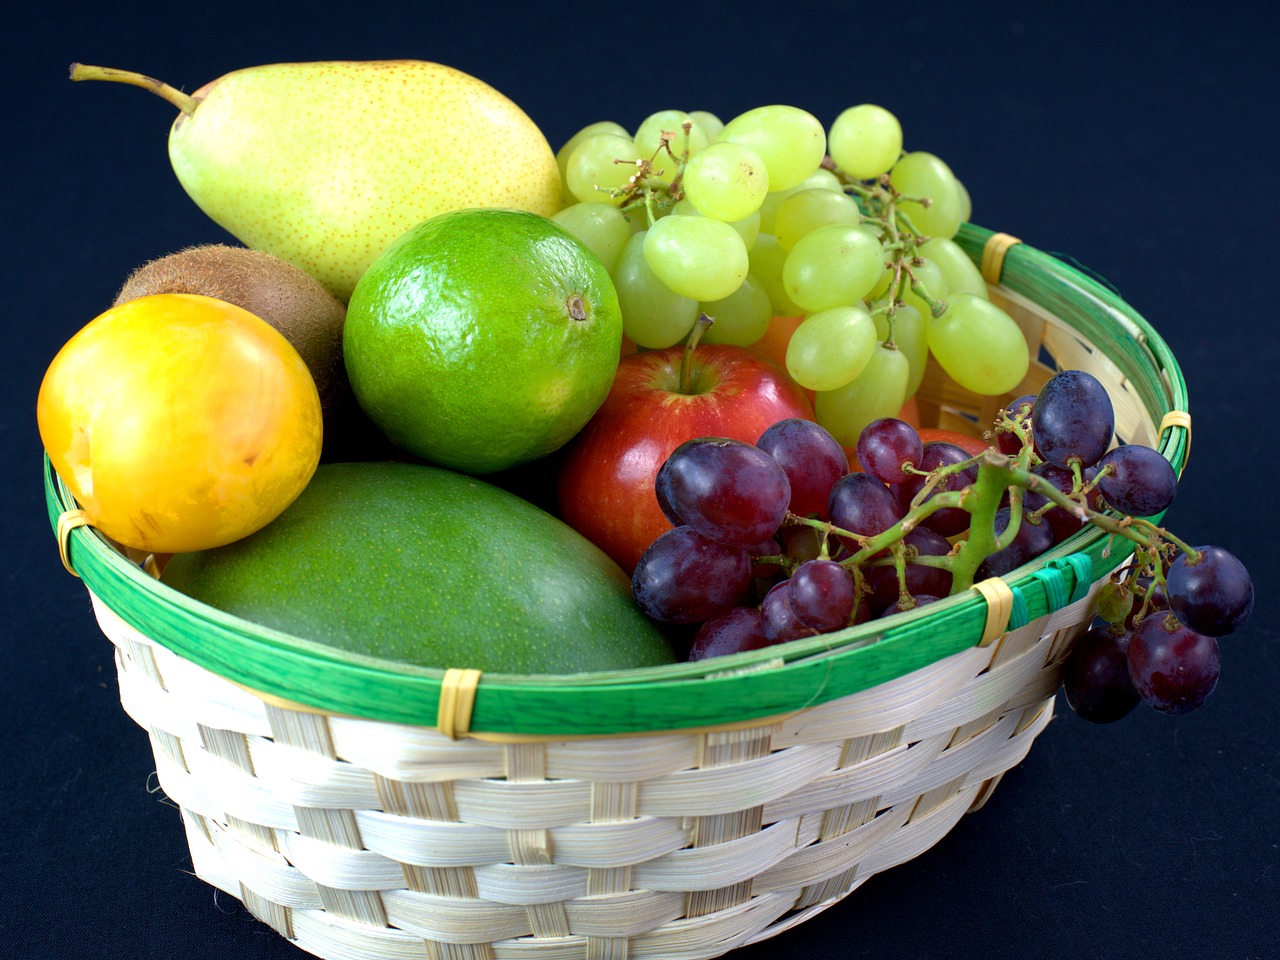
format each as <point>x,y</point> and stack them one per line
<point>420,564</point>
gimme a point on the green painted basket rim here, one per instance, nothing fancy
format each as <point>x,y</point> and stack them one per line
<point>728,690</point>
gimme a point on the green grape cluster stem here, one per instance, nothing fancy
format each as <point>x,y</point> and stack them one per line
<point>648,189</point>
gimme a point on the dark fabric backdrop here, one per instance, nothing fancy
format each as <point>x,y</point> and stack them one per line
<point>1139,141</point>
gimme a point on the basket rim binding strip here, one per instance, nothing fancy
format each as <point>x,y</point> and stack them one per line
<point>735,690</point>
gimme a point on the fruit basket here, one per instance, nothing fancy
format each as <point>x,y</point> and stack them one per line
<point>374,809</point>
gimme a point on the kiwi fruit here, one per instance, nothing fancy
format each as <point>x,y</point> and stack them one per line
<point>292,301</point>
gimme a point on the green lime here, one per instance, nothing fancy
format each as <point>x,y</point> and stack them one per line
<point>483,338</point>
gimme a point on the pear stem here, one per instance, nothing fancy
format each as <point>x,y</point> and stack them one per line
<point>185,103</point>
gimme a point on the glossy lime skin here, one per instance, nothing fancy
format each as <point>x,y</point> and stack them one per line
<point>419,564</point>
<point>482,339</point>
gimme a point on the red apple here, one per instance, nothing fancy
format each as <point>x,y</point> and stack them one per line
<point>605,485</point>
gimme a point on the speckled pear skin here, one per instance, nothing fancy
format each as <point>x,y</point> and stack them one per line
<point>324,164</point>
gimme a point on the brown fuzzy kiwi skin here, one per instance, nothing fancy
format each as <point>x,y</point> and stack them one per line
<point>292,301</point>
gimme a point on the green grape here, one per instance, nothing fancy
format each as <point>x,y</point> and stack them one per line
<point>726,181</point>
<point>878,391</point>
<point>911,336</point>
<point>697,257</point>
<point>791,141</point>
<point>820,179</point>
<point>767,259</point>
<point>645,209</point>
<point>748,227</point>
<point>966,203</point>
<point>599,225</point>
<point>806,210</point>
<point>959,273</point>
<point>740,318</point>
<point>711,124</point>
<point>865,141</point>
<point>929,274</point>
<point>832,266</point>
<point>979,346</point>
<point>923,175</point>
<point>649,139</point>
<point>831,347</point>
<point>590,130</point>
<point>881,289</point>
<point>594,169</point>
<point>652,316</point>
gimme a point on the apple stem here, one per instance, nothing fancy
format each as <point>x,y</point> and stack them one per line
<point>82,71</point>
<point>686,361</point>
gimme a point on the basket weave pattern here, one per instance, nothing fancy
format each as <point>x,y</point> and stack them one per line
<point>360,838</point>
<point>675,814</point>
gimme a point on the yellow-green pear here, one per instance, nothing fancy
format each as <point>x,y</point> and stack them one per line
<point>325,163</point>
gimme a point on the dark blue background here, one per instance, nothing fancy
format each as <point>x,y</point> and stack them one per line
<point>1140,142</point>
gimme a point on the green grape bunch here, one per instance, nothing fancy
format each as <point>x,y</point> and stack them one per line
<point>771,214</point>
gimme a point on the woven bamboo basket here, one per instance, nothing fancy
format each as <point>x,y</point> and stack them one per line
<point>367,809</point>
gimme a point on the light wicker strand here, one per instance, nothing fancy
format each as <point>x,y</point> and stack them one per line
<point>457,697</point>
<point>68,521</point>
<point>1178,418</point>
<point>999,597</point>
<point>993,252</point>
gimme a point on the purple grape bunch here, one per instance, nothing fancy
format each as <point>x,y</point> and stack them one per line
<point>786,538</point>
<point>1171,656</point>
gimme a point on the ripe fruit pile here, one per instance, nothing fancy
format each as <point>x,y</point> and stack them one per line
<point>477,309</point>
<point>780,539</point>
<point>771,215</point>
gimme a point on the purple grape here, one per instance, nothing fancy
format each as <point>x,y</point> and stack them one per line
<point>863,505</point>
<point>948,521</point>
<point>1143,482</point>
<point>684,577</point>
<point>1212,595</point>
<point>801,542</point>
<point>1007,441</point>
<point>660,491</point>
<point>885,445</point>
<point>727,490</point>
<point>734,631</point>
<point>1031,540</point>
<point>1173,668</point>
<point>812,459</point>
<point>822,595</point>
<point>1093,499</point>
<point>1062,522</point>
<point>779,616</point>
<point>1095,677</point>
<point>764,571</point>
<point>1073,419</point>
<point>1157,602</point>
<point>921,579</point>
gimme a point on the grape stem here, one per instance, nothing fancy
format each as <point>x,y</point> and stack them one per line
<point>901,238</point>
<point>644,190</point>
<point>997,473</point>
